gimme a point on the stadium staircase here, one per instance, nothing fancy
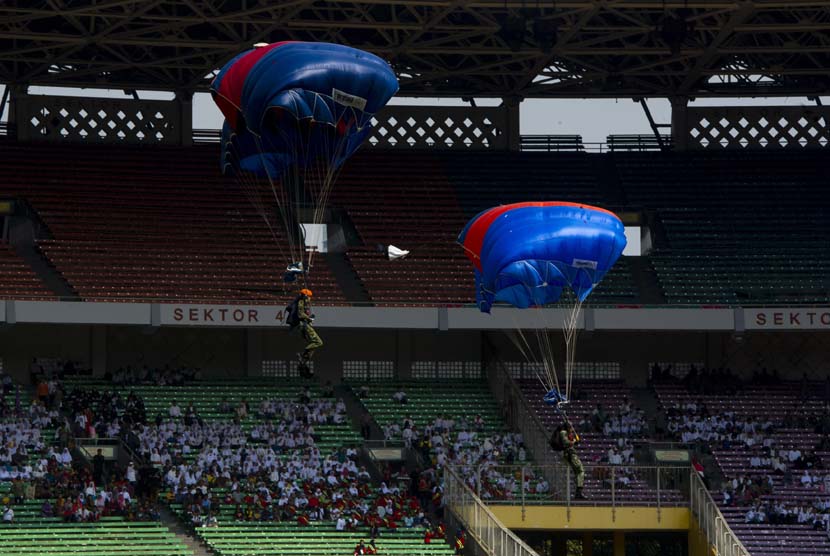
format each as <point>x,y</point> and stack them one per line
<point>47,273</point>
<point>24,229</point>
<point>18,279</point>
<point>188,538</point>
<point>347,279</point>
<point>356,411</point>
<point>645,278</point>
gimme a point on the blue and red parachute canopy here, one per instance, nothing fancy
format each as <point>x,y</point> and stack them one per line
<point>290,103</point>
<point>525,254</point>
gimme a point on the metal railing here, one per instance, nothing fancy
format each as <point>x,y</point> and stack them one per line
<point>552,143</point>
<point>479,522</point>
<point>655,486</point>
<point>638,143</point>
<point>522,417</point>
<point>528,143</point>
<point>206,136</point>
<point>711,521</point>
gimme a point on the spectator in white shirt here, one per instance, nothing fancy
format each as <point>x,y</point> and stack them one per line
<point>400,397</point>
<point>130,473</point>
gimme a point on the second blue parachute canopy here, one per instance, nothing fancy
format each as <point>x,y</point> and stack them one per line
<point>525,254</point>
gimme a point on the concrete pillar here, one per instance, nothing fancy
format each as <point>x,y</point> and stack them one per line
<point>253,352</point>
<point>560,545</point>
<point>98,350</point>
<point>403,354</point>
<point>185,102</point>
<point>17,98</point>
<point>680,123</point>
<point>619,543</point>
<point>588,544</point>
<point>512,128</point>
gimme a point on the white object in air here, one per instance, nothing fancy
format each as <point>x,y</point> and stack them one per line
<point>394,253</point>
<point>261,44</point>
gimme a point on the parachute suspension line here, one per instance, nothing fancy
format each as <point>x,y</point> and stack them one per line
<point>571,332</point>
<point>544,366</point>
<point>282,203</point>
<point>252,188</point>
<point>309,183</point>
<point>327,173</point>
<point>528,354</point>
<point>546,345</point>
<point>288,196</point>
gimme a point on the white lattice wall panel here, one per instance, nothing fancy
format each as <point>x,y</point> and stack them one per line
<point>754,127</point>
<point>525,370</point>
<point>368,370</point>
<point>55,118</point>
<point>282,369</point>
<point>597,370</point>
<point>446,369</point>
<point>430,127</point>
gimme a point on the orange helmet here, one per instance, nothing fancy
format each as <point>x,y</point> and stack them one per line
<point>306,292</point>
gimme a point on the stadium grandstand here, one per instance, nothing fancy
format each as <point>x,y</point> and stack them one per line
<point>159,275</point>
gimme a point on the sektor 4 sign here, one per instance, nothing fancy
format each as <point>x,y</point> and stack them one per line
<point>800,318</point>
<point>222,315</point>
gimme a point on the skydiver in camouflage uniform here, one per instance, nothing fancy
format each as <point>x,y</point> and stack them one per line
<point>309,334</point>
<point>568,440</point>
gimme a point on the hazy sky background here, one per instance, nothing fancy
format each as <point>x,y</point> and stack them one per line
<point>591,118</point>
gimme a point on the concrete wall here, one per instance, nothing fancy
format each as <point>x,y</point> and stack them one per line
<point>20,343</point>
<point>228,352</point>
<point>219,352</point>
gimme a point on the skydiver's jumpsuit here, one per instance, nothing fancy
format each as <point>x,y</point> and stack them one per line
<point>309,334</point>
<point>570,457</point>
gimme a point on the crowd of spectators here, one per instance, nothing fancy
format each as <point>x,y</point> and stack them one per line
<point>271,469</point>
<point>464,443</point>
<point>36,445</point>
<point>692,423</point>
<point>784,481</point>
<point>267,470</point>
<point>626,421</point>
<point>22,440</point>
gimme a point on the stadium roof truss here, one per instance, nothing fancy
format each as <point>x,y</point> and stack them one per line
<point>486,48</point>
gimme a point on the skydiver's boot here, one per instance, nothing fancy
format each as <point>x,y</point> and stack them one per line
<point>579,494</point>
